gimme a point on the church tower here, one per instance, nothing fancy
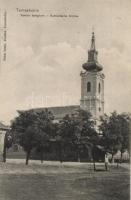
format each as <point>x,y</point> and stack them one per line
<point>92,84</point>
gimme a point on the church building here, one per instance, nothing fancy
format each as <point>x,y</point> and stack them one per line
<point>92,89</point>
<point>92,95</point>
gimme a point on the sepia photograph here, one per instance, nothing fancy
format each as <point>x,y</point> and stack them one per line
<point>65,90</point>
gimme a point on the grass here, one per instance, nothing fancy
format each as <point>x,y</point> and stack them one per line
<point>62,182</point>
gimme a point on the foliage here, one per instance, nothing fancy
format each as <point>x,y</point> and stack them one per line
<point>45,131</point>
<point>32,130</point>
<point>78,131</point>
<point>37,131</point>
<point>115,132</point>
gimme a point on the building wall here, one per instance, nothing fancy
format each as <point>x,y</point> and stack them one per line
<point>92,101</point>
<point>2,135</point>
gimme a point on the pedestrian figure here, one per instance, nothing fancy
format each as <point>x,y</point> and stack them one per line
<point>106,162</point>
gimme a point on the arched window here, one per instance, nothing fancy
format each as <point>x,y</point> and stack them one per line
<point>88,87</point>
<point>99,88</point>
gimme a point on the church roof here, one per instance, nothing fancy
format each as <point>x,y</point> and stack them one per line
<point>60,111</point>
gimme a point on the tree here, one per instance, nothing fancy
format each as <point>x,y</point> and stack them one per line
<point>64,134</point>
<point>124,132</point>
<point>45,131</point>
<point>32,130</point>
<point>78,131</point>
<point>115,132</point>
<point>7,143</point>
<point>24,130</point>
<point>86,135</point>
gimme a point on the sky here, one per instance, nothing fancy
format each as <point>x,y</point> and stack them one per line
<point>44,55</point>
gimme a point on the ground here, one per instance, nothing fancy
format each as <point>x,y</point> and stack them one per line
<point>67,181</point>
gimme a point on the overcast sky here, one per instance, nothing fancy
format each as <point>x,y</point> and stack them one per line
<point>45,54</point>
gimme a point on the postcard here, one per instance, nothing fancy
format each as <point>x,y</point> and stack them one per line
<point>63,60</point>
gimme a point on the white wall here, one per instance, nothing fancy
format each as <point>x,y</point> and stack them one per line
<point>2,135</point>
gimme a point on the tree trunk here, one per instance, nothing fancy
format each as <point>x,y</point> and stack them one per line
<point>112,158</point>
<point>27,157</point>
<point>106,166</point>
<point>94,157</point>
<point>94,165</point>
<point>42,157</point>
<point>60,153</point>
<point>4,153</point>
<point>78,156</point>
<point>121,156</point>
<point>4,148</point>
<point>117,164</point>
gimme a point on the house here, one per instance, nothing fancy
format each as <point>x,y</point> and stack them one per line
<point>3,130</point>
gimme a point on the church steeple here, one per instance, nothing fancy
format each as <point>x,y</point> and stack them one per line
<point>92,63</point>
<point>92,84</point>
<point>93,42</point>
